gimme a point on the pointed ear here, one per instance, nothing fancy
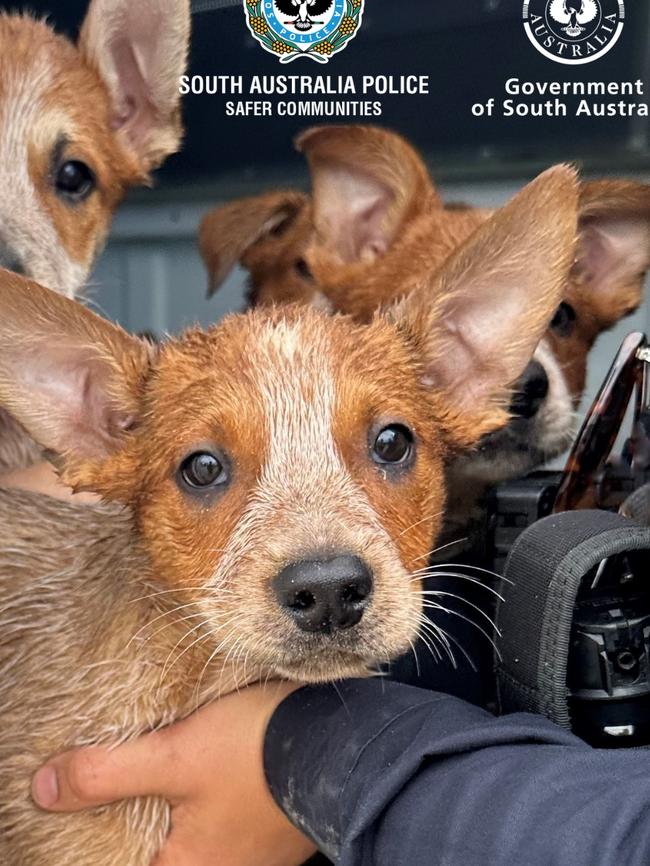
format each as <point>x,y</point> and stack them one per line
<point>614,246</point>
<point>140,51</point>
<point>228,232</point>
<point>477,326</point>
<point>367,183</point>
<point>71,378</point>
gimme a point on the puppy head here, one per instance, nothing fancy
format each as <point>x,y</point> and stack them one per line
<point>285,469</point>
<point>268,235</point>
<point>79,124</point>
<point>604,285</point>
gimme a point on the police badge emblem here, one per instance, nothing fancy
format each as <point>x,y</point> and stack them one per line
<point>304,28</point>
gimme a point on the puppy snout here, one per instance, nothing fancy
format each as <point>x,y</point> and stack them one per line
<point>10,260</point>
<point>531,391</point>
<point>325,595</point>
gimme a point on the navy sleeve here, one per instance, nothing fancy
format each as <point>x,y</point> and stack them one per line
<point>381,774</point>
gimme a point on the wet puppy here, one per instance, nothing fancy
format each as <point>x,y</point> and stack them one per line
<point>272,487</point>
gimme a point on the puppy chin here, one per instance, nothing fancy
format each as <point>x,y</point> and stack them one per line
<point>325,659</point>
<point>520,448</point>
<point>323,670</point>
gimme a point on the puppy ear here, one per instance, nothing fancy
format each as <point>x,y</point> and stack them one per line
<point>71,378</point>
<point>367,183</point>
<point>477,326</point>
<point>228,232</point>
<point>140,50</point>
<point>614,246</point>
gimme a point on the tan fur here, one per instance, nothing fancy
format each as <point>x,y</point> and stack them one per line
<point>120,618</point>
<point>51,90</point>
<point>75,596</point>
<point>428,233</point>
<point>60,102</point>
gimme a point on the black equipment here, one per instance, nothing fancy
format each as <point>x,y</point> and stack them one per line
<point>574,624</point>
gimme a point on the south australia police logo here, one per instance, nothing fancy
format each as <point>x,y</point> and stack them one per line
<point>574,31</point>
<point>304,28</point>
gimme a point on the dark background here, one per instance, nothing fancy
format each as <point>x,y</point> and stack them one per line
<point>151,276</point>
<point>469,48</point>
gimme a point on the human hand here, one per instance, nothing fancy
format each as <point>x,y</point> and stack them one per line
<point>42,478</point>
<point>209,767</point>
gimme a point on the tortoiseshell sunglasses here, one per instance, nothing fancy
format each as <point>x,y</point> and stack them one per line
<point>584,481</point>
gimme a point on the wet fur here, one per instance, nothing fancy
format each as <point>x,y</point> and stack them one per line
<point>291,398</point>
<point>69,579</point>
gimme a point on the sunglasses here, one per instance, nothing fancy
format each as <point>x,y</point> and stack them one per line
<point>590,479</point>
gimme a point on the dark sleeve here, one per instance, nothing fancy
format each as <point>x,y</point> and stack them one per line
<point>381,774</point>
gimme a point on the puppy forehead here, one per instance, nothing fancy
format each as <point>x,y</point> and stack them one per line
<point>242,360</point>
<point>25,76</point>
<point>33,57</point>
<point>24,39</point>
<point>289,367</point>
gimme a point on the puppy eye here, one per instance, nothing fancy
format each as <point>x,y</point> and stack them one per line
<point>393,445</point>
<point>74,181</point>
<point>564,320</point>
<point>302,269</point>
<point>203,470</point>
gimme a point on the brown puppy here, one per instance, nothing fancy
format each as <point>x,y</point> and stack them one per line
<point>79,125</point>
<point>379,231</point>
<point>279,480</point>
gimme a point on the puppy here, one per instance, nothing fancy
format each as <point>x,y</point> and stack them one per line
<point>379,230</point>
<point>272,489</point>
<point>79,125</point>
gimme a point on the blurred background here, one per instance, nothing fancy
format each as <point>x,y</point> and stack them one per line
<point>151,277</point>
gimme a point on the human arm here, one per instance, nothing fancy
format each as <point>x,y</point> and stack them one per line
<point>382,774</point>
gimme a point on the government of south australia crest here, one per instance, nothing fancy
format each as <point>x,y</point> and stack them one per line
<point>304,28</point>
<point>574,31</point>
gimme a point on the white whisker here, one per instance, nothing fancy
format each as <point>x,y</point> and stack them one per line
<point>440,548</point>
<point>437,634</point>
<point>159,617</point>
<point>467,578</point>
<point>434,606</point>
<point>442,594</point>
<point>419,522</point>
<point>181,654</point>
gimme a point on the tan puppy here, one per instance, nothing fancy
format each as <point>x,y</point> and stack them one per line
<point>277,482</point>
<point>79,125</point>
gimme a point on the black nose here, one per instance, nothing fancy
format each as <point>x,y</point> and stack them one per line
<point>531,391</point>
<point>325,595</point>
<point>9,260</point>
